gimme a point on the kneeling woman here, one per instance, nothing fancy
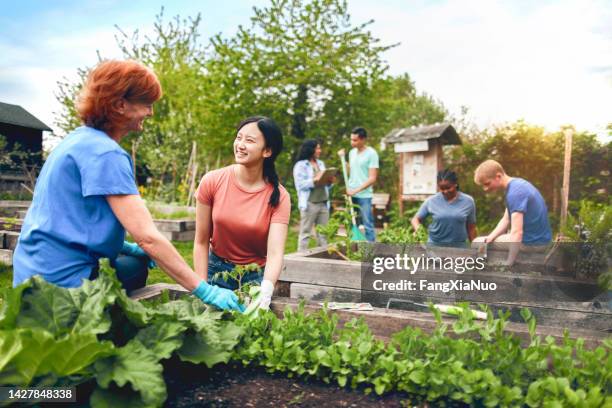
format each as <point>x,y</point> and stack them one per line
<point>242,213</point>
<point>453,213</point>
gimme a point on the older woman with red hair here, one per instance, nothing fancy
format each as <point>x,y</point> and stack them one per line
<point>86,196</point>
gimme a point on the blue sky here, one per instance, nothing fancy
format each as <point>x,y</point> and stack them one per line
<point>548,62</point>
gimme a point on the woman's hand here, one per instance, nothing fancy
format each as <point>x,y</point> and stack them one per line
<point>264,298</point>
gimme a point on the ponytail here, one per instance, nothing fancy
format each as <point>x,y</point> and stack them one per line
<point>269,172</point>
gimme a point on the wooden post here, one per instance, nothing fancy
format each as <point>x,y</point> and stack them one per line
<point>566,176</point>
<point>400,188</point>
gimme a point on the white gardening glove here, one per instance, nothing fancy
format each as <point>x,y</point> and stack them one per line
<point>265,294</point>
<point>261,297</point>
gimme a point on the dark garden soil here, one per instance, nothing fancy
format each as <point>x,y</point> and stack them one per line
<point>237,386</point>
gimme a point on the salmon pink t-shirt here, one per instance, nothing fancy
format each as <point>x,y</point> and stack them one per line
<point>241,219</point>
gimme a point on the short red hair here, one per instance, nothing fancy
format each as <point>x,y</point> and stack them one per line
<point>109,82</point>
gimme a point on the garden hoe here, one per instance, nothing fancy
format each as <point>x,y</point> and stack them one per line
<point>356,234</point>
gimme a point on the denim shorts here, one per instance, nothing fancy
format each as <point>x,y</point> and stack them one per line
<point>217,265</point>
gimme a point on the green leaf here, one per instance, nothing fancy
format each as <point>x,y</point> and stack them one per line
<point>162,338</point>
<point>134,365</point>
<point>60,310</point>
<point>11,305</point>
<point>29,353</point>
<point>199,347</point>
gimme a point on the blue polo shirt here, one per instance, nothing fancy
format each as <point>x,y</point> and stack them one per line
<point>449,220</point>
<point>70,225</point>
<point>523,197</point>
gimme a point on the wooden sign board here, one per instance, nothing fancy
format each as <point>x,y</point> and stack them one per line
<point>419,173</point>
<point>406,147</point>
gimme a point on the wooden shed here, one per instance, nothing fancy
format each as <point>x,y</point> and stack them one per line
<point>19,126</point>
<point>420,157</point>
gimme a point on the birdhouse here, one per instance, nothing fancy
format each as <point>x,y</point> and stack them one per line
<point>420,157</point>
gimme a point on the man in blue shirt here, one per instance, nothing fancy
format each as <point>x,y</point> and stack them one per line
<point>526,212</point>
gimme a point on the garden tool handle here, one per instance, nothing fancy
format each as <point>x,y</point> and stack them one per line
<point>349,202</point>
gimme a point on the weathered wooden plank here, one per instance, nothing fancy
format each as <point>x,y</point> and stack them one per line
<point>8,239</point>
<point>12,208</point>
<point>384,323</point>
<point>509,287</point>
<point>10,224</point>
<point>327,272</point>
<point>323,293</point>
<point>151,291</point>
<point>6,257</point>
<point>568,314</point>
<point>175,225</point>
<point>14,204</point>
<point>179,236</point>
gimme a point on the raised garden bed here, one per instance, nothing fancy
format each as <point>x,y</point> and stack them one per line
<point>177,230</point>
<point>234,385</point>
<point>544,285</point>
<point>15,209</point>
<point>120,352</point>
<point>385,322</point>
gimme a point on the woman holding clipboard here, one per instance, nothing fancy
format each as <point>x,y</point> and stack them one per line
<point>312,182</point>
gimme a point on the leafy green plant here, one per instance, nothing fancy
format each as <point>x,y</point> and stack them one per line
<point>402,235</point>
<point>591,231</point>
<point>341,244</point>
<point>238,274</point>
<point>53,336</point>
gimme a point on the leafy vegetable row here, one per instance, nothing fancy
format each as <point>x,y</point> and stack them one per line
<point>51,336</point>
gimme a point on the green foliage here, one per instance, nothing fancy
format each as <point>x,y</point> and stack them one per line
<point>305,64</point>
<point>480,364</point>
<point>521,148</point>
<point>591,231</point>
<point>342,244</point>
<point>238,274</point>
<point>402,235</point>
<point>51,336</point>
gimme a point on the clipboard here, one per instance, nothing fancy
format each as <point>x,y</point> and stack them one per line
<point>327,176</point>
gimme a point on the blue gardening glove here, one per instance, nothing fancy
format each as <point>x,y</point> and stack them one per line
<point>222,298</point>
<point>133,249</point>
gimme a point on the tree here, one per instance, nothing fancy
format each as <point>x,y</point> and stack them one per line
<point>302,63</point>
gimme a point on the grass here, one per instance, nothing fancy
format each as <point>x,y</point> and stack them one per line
<point>156,275</point>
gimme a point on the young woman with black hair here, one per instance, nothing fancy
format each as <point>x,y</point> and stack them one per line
<point>453,213</point>
<point>242,212</point>
<point>313,199</point>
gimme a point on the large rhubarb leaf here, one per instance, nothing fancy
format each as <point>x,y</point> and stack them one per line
<point>11,305</point>
<point>60,310</point>
<point>201,347</point>
<point>162,338</point>
<point>132,365</point>
<point>29,353</point>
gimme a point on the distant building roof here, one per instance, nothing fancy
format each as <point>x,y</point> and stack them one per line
<point>447,134</point>
<point>16,115</point>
